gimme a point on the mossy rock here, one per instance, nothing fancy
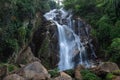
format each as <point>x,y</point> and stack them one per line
<point>116,72</point>
<point>110,76</point>
<point>10,67</point>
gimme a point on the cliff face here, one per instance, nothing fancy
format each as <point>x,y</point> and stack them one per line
<point>45,43</point>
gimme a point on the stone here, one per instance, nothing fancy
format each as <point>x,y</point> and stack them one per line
<point>26,56</point>
<point>40,77</point>
<point>63,76</point>
<point>37,67</point>
<point>35,71</point>
<point>14,77</point>
<point>105,67</point>
<point>78,75</point>
<point>29,74</point>
<point>116,78</point>
<point>108,67</point>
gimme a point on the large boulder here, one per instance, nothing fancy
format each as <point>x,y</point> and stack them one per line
<point>26,56</point>
<point>29,74</point>
<point>14,77</point>
<point>37,67</point>
<point>63,76</point>
<point>35,71</point>
<point>108,67</point>
<point>105,67</point>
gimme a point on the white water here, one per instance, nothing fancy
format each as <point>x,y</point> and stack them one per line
<point>72,51</point>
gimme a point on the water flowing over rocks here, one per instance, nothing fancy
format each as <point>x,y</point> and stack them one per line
<point>73,38</point>
<point>45,46</point>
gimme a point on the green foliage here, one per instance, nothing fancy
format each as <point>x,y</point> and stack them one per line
<point>109,76</point>
<point>115,50</point>
<point>10,67</point>
<point>12,43</point>
<point>115,32</point>
<point>70,72</point>
<point>78,5</point>
<point>94,32</point>
<point>13,13</point>
<point>116,44</point>
<point>54,72</point>
<point>52,4</point>
<point>87,75</point>
<point>22,35</point>
<point>104,30</point>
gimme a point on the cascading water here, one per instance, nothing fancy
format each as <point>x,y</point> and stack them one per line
<point>72,51</point>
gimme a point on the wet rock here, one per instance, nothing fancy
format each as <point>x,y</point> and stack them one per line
<point>63,76</point>
<point>14,77</point>
<point>78,75</point>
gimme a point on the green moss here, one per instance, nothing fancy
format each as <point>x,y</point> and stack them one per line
<point>116,72</point>
<point>109,76</point>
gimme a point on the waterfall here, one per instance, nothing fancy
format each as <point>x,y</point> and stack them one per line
<point>72,50</point>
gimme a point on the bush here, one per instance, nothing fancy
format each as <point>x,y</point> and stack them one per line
<point>87,75</point>
<point>54,72</point>
<point>115,32</point>
<point>10,67</point>
<point>114,50</point>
